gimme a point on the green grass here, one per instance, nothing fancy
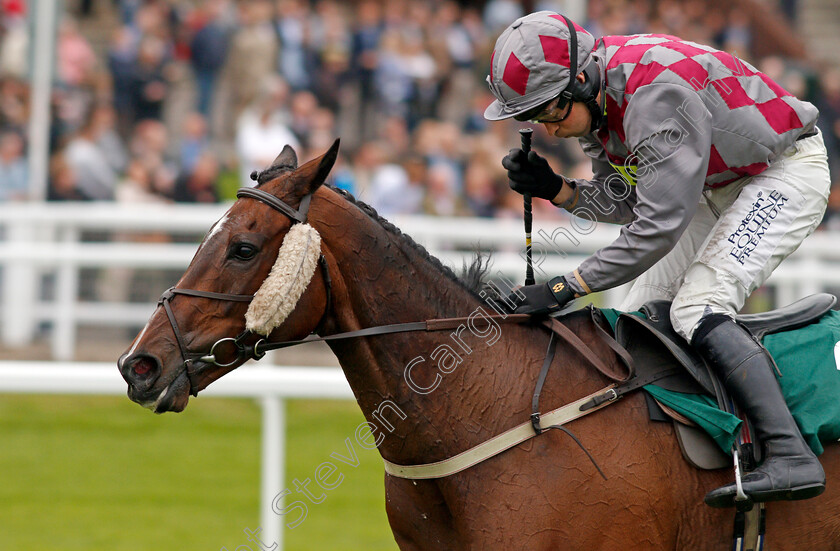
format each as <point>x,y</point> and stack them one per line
<point>100,473</point>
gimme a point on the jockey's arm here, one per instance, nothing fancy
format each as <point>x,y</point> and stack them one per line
<point>672,160</point>
<point>606,197</point>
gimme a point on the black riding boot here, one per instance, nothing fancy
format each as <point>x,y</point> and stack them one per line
<point>790,470</point>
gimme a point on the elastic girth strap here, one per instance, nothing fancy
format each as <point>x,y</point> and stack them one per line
<point>493,446</point>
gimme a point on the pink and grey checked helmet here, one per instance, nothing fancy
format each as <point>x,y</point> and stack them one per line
<point>530,64</point>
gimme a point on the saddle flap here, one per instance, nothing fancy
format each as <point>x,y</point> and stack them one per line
<point>654,345</point>
<point>793,316</point>
<point>699,449</point>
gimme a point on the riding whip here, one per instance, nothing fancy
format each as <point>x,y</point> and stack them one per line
<point>525,135</point>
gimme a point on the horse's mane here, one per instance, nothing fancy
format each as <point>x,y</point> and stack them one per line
<point>472,278</point>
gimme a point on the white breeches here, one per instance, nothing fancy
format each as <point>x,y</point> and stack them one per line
<point>739,235</point>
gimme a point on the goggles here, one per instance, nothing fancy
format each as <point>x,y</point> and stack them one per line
<point>547,113</point>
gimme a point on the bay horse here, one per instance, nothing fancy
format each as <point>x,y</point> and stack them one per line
<point>543,494</point>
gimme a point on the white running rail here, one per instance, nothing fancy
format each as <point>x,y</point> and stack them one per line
<point>46,238</point>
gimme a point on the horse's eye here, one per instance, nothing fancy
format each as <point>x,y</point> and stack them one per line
<point>243,251</point>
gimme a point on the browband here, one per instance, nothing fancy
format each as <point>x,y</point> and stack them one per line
<point>298,215</point>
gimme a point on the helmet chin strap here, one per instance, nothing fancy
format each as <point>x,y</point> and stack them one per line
<point>585,92</point>
<point>593,84</point>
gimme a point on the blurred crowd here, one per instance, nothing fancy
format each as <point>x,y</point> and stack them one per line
<point>180,100</point>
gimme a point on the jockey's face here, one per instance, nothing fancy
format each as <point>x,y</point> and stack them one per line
<point>576,124</point>
<point>574,121</point>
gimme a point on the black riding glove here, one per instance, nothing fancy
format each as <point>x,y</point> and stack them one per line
<point>530,174</point>
<point>542,298</point>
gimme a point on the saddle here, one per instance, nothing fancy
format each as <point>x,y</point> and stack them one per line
<point>660,354</point>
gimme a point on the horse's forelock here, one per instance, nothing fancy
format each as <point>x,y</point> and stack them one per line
<point>271,173</point>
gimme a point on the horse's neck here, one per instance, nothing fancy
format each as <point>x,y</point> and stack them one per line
<point>387,281</point>
<point>382,279</point>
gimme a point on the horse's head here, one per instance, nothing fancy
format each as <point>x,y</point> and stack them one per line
<point>255,276</point>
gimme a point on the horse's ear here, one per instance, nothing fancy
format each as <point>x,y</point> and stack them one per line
<point>315,172</point>
<point>327,161</point>
<point>287,158</point>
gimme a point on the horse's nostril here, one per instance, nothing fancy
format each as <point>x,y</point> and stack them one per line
<point>143,367</point>
<point>140,371</point>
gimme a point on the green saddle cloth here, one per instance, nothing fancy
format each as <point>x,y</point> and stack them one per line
<point>809,361</point>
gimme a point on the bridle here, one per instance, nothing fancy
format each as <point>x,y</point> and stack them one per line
<point>236,346</point>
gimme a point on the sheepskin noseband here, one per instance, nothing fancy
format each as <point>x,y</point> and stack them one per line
<point>289,278</point>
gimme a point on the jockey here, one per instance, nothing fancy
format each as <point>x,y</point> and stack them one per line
<point>717,174</point>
